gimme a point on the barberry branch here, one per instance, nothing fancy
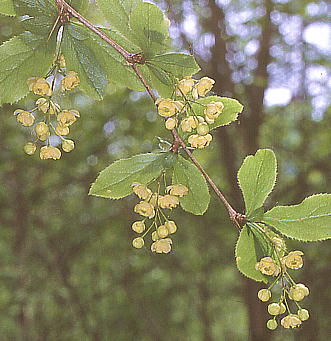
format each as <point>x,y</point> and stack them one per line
<point>65,12</point>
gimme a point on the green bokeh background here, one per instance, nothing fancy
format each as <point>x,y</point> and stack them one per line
<point>68,271</point>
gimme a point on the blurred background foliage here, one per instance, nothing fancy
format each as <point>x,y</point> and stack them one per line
<point>68,271</point>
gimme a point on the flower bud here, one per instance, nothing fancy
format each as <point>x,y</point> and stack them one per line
<point>274,309</point>
<point>138,243</point>
<point>155,236</point>
<point>171,226</point>
<point>272,324</point>
<point>162,231</point>
<point>203,129</point>
<point>30,148</point>
<point>68,145</point>
<point>170,123</point>
<point>41,129</point>
<point>138,226</point>
<point>282,308</point>
<point>303,314</point>
<point>264,295</point>
<point>61,130</point>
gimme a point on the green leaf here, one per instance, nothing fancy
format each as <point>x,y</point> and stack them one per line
<point>161,71</point>
<point>22,57</point>
<point>198,197</point>
<point>117,13</point>
<point>248,254</point>
<point>308,221</point>
<point>150,28</point>
<point>115,181</point>
<point>257,177</point>
<point>80,57</point>
<point>178,65</point>
<point>38,16</point>
<point>7,7</point>
<point>97,62</point>
<point>79,5</point>
<point>230,113</point>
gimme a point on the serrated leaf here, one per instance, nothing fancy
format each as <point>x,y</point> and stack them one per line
<point>198,198</point>
<point>248,254</point>
<point>37,16</point>
<point>7,7</point>
<point>99,64</point>
<point>22,57</point>
<point>116,180</point>
<point>308,221</point>
<point>81,58</point>
<point>178,65</point>
<point>117,13</point>
<point>257,177</point>
<point>230,113</point>
<point>150,28</point>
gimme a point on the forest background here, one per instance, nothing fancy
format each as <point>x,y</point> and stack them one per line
<point>68,271</point>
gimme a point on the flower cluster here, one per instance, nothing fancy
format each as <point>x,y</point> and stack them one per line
<point>179,111</point>
<point>151,206</point>
<point>47,117</point>
<point>290,291</point>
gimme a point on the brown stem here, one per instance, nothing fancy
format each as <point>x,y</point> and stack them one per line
<point>65,11</point>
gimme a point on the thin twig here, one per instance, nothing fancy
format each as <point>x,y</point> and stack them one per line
<point>64,9</point>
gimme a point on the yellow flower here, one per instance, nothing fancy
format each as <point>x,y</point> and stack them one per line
<point>24,117</point>
<point>267,266</point>
<point>142,191</point>
<point>274,309</point>
<point>166,107</point>
<point>171,123</point>
<point>138,226</point>
<point>42,129</point>
<point>39,86</point>
<point>145,209</point>
<point>298,292</point>
<point>171,226</point>
<point>68,145</point>
<point>200,141</point>
<point>178,189</point>
<point>162,231</point>
<point>202,128</point>
<point>138,243</point>
<point>213,110</point>
<point>30,148</point>
<point>168,201</point>
<point>204,85</point>
<point>46,105</point>
<point>189,123</point>
<point>61,130</point>
<point>70,81</point>
<point>264,295</point>
<point>49,152</point>
<point>303,314</point>
<point>162,245</point>
<point>184,86</point>
<point>293,260</point>
<point>290,321</point>
<point>67,117</point>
